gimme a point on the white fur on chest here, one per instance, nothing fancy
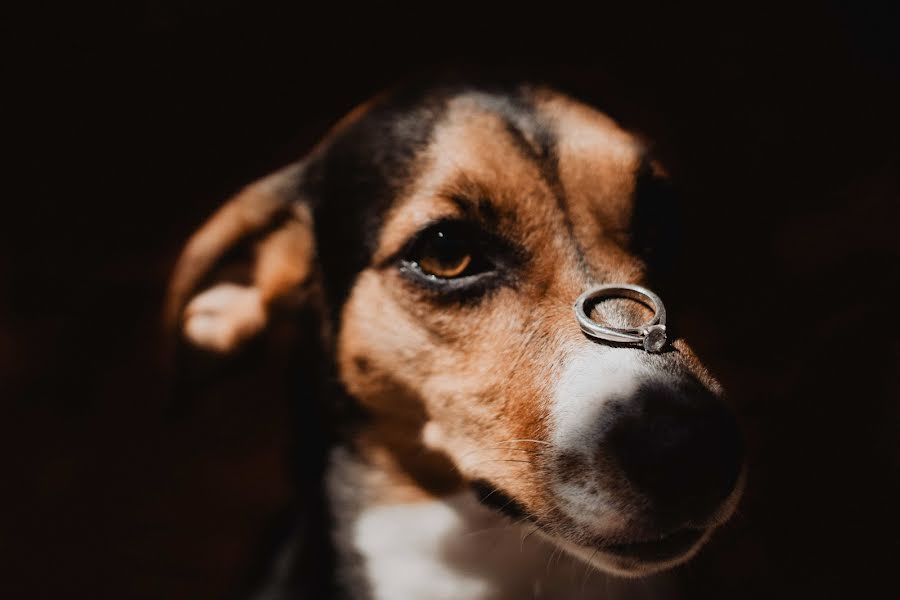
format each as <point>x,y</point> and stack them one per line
<point>455,548</point>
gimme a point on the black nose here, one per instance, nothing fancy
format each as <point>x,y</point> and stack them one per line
<point>678,446</point>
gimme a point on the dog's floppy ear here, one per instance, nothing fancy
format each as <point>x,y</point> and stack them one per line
<point>253,257</point>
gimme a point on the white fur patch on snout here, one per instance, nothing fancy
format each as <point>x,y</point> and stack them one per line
<point>592,377</point>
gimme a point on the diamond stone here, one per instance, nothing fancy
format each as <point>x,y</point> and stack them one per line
<point>655,338</point>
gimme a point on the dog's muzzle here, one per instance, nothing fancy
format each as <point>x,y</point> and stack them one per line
<point>651,335</point>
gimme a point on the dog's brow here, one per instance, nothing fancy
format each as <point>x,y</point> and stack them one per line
<point>473,201</point>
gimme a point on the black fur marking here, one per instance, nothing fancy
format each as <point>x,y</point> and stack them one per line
<point>491,496</point>
<point>655,226</point>
<point>355,178</point>
<point>544,153</point>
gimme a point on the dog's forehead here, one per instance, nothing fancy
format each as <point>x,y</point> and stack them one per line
<point>598,161</point>
<point>525,152</point>
<point>532,158</point>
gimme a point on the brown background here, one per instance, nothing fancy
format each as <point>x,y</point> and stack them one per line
<point>131,125</point>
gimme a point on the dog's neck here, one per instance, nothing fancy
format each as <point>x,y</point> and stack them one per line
<point>396,541</point>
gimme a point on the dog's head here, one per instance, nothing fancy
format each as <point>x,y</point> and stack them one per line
<point>444,236</point>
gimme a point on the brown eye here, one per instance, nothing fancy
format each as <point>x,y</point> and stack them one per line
<point>443,254</point>
<point>456,259</point>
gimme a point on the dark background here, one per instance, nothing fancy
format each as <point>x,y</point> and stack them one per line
<point>130,125</point>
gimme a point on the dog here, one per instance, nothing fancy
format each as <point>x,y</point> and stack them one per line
<point>482,445</point>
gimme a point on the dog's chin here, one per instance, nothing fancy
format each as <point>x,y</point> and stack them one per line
<point>643,554</point>
<point>639,557</point>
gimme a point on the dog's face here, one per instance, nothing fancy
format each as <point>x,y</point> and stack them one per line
<point>452,233</point>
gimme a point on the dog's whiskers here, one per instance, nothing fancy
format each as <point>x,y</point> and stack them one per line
<point>550,559</point>
<point>525,440</point>
<point>506,448</point>
<point>528,535</point>
<point>504,460</point>
<point>587,570</point>
<point>525,537</point>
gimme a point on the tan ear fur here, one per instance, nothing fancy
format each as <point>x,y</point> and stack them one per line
<point>254,254</point>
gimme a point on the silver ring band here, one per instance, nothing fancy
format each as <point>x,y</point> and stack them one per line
<point>651,335</point>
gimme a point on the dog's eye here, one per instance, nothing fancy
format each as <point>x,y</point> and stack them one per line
<point>452,254</point>
<point>444,255</point>
<point>459,259</point>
